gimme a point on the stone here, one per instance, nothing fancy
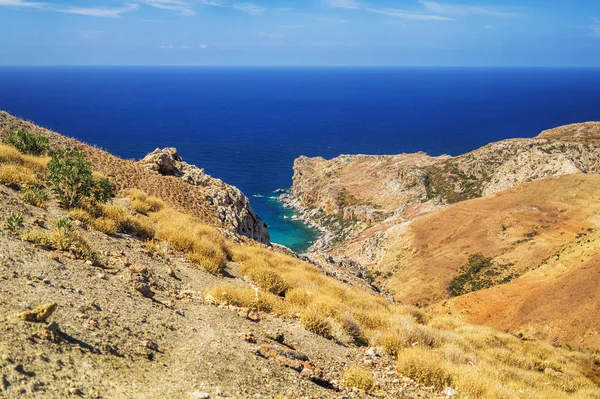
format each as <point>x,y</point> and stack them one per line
<point>198,395</point>
<point>144,289</point>
<point>39,314</point>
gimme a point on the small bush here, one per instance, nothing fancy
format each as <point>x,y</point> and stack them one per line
<point>154,247</point>
<point>352,328</point>
<point>247,297</point>
<point>15,176</point>
<point>70,177</point>
<point>356,377</point>
<point>140,206</point>
<point>64,240</point>
<point>34,195</point>
<point>298,296</point>
<point>141,227</point>
<point>267,280</point>
<point>105,225</point>
<point>424,366</point>
<point>213,263</point>
<point>27,142</point>
<point>314,321</point>
<point>81,215</point>
<point>64,224</point>
<point>14,222</point>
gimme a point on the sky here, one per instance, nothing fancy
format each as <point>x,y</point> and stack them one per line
<point>490,33</point>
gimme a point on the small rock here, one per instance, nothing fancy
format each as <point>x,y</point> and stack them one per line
<point>276,336</point>
<point>171,272</point>
<point>449,392</point>
<point>152,345</point>
<point>39,314</point>
<point>102,276</point>
<point>248,337</point>
<point>144,289</point>
<point>198,395</point>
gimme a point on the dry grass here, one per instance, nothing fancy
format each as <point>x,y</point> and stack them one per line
<point>63,240</point>
<point>356,377</point>
<point>313,319</point>
<point>438,351</point>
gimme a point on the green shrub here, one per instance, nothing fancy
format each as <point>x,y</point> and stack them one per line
<point>27,142</point>
<point>70,177</point>
<point>64,224</point>
<point>14,222</point>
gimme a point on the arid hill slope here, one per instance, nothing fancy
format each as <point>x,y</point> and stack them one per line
<point>214,201</point>
<point>423,250</point>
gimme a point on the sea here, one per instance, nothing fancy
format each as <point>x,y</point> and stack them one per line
<point>247,125</point>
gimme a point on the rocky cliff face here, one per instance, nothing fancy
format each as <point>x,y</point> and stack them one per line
<point>232,206</point>
<point>362,191</point>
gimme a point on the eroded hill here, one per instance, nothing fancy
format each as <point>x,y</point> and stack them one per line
<point>449,226</point>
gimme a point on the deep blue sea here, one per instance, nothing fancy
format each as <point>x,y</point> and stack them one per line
<point>247,125</point>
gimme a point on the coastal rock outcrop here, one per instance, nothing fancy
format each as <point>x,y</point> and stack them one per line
<point>231,205</point>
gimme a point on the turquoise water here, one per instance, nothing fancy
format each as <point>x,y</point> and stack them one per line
<point>247,125</point>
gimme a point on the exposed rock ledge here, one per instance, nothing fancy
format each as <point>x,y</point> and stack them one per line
<point>233,207</point>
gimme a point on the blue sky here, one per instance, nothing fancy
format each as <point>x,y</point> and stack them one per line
<point>298,33</point>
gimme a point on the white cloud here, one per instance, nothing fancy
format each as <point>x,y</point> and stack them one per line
<point>404,14</point>
<point>90,34</point>
<point>343,4</point>
<point>463,9</point>
<point>172,47</point>
<point>489,27</point>
<point>203,46</point>
<point>250,8</point>
<point>179,6</point>
<point>100,12</point>
<point>22,3</point>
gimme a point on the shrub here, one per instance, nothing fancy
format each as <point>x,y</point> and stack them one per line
<point>14,222</point>
<point>314,321</point>
<point>34,195</point>
<point>70,177</point>
<point>64,240</point>
<point>141,227</point>
<point>247,297</point>
<point>140,206</point>
<point>356,377</point>
<point>15,176</point>
<point>105,225</point>
<point>267,280</point>
<point>424,366</point>
<point>64,224</point>
<point>27,142</point>
<point>82,215</point>
<point>213,263</point>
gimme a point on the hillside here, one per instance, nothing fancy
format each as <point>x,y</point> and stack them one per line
<point>210,199</point>
<point>134,297</point>
<point>449,226</point>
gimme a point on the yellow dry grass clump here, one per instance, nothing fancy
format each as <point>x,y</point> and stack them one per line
<point>356,377</point>
<point>18,169</point>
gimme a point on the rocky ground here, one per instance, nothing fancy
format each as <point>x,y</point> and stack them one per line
<point>139,326</point>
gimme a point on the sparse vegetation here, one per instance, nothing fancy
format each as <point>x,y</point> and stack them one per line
<point>26,142</point>
<point>480,273</point>
<point>63,239</point>
<point>35,195</point>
